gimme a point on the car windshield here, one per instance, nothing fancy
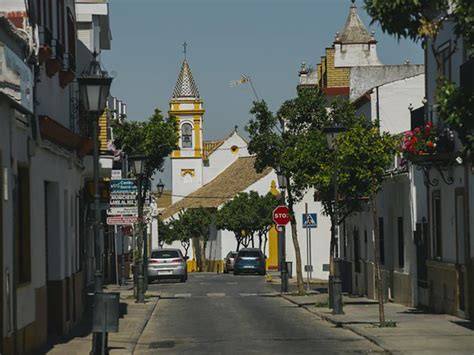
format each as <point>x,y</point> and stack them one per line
<point>249,254</point>
<point>232,255</point>
<point>165,254</point>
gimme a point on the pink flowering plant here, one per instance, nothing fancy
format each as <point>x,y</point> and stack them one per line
<point>419,141</point>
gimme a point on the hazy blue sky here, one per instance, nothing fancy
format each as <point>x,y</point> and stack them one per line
<point>266,39</point>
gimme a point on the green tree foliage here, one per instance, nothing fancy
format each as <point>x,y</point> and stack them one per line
<point>363,157</point>
<point>299,149</point>
<point>156,138</point>
<point>194,224</point>
<point>247,215</point>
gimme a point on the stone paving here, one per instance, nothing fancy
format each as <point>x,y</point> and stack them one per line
<point>131,324</point>
<point>415,331</point>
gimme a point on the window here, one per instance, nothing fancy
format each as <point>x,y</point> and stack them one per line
<point>39,11</point>
<point>437,232</point>
<point>50,15</point>
<point>356,250</point>
<point>165,254</point>
<point>71,39</point>
<point>187,136</point>
<point>381,241</point>
<point>401,243</point>
<point>444,56</point>
<point>60,30</point>
<point>23,238</point>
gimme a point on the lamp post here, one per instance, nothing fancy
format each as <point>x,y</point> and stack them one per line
<point>335,284</point>
<point>94,88</point>
<point>160,186</point>
<point>282,185</point>
<point>137,163</point>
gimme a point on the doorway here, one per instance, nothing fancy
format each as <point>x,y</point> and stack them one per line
<point>460,249</point>
<point>2,283</point>
<point>52,254</point>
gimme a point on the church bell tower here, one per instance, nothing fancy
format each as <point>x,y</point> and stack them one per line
<point>187,164</point>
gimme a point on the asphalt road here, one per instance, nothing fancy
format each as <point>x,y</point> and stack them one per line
<point>227,314</point>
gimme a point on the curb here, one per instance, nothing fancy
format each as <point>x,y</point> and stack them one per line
<point>149,315</point>
<point>339,324</point>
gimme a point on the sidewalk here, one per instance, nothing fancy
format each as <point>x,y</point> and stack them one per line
<point>415,332</point>
<point>133,320</point>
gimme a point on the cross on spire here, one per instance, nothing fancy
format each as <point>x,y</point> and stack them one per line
<point>185,45</point>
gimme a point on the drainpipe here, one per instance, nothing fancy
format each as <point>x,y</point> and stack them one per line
<point>467,245</point>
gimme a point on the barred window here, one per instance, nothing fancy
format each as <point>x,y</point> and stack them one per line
<point>186,136</point>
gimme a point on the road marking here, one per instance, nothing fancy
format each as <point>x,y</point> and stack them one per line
<point>232,283</point>
<point>216,294</point>
<point>247,294</point>
<point>182,295</point>
<point>204,283</point>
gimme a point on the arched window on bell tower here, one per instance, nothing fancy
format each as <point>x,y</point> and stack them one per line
<point>186,135</point>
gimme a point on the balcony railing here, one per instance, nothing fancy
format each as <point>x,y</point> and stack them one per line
<point>46,36</point>
<point>58,50</point>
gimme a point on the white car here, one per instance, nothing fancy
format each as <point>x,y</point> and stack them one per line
<point>167,264</point>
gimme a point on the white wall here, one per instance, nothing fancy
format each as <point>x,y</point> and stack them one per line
<point>223,157</point>
<point>394,99</point>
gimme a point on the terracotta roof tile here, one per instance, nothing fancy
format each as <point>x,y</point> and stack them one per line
<point>236,178</point>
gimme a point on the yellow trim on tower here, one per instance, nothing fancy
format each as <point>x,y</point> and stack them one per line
<point>197,136</point>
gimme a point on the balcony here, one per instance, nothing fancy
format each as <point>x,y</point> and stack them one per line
<point>46,39</point>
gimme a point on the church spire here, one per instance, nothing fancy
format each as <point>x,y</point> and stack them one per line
<point>354,30</point>
<point>185,85</point>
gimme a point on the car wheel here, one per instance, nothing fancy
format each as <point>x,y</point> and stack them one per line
<point>263,273</point>
<point>182,278</point>
<point>150,280</point>
<point>236,272</point>
<point>226,271</point>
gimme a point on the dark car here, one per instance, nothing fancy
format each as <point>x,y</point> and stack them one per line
<point>229,261</point>
<point>249,260</point>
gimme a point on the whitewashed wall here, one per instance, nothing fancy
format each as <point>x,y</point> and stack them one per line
<point>223,157</point>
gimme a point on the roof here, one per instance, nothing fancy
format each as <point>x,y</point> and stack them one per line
<point>210,147</point>
<point>18,36</point>
<point>237,177</point>
<point>354,30</point>
<point>164,200</point>
<point>185,85</point>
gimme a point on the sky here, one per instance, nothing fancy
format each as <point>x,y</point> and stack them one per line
<point>265,39</point>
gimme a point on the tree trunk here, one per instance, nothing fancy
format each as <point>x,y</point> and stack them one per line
<point>296,244</point>
<point>265,242</point>
<point>239,240</point>
<point>260,241</point>
<point>203,244</point>
<point>253,241</point>
<point>378,278</point>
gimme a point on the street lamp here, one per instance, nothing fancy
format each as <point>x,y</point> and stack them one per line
<point>137,164</point>
<point>282,185</point>
<point>159,188</point>
<point>335,284</point>
<point>94,88</point>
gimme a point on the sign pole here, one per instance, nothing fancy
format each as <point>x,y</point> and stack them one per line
<point>307,246</point>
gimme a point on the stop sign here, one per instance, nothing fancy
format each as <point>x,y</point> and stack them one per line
<point>281,215</point>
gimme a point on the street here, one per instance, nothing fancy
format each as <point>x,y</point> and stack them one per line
<point>219,313</point>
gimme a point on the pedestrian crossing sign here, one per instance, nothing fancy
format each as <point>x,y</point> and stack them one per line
<point>310,220</point>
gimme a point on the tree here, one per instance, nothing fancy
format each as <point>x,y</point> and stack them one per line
<point>364,155</point>
<point>247,215</point>
<point>298,148</point>
<point>155,138</point>
<point>196,224</point>
<point>237,216</point>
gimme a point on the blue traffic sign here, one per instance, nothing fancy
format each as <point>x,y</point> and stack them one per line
<point>310,220</point>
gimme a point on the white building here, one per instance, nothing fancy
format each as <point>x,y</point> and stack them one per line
<point>42,148</point>
<point>210,173</point>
